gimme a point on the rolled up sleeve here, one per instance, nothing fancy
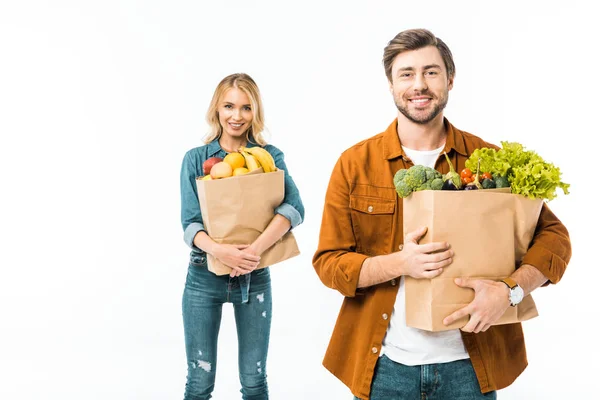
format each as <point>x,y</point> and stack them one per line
<point>190,233</point>
<point>550,250</point>
<point>291,207</point>
<point>289,212</point>
<point>336,261</point>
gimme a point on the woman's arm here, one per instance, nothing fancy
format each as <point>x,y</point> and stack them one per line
<point>278,227</point>
<point>288,215</point>
<point>235,256</point>
<point>291,207</point>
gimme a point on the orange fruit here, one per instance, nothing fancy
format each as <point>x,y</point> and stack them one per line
<point>236,160</point>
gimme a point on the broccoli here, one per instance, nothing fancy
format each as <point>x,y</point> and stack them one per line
<point>400,174</point>
<point>501,181</point>
<point>437,184</point>
<point>416,178</point>
<point>424,186</point>
<point>432,174</point>
<point>403,189</point>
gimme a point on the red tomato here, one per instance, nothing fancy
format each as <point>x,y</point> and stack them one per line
<point>486,175</point>
<point>467,179</point>
<point>466,173</point>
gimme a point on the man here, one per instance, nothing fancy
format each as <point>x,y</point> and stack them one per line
<point>363,253</point>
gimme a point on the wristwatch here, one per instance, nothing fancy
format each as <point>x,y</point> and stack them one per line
<point>516,292</point>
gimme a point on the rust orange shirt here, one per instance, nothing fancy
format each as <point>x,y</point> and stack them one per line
<point>362,217</point>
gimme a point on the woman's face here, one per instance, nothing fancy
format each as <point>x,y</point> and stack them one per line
<point>235,113</point>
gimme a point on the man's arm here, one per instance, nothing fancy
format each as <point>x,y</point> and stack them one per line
<point>418,261</point>
<point>335,260</point>
<point>550,249</point>
<point>544,262</point>
<point>340,267</point>
<point>529,278</point>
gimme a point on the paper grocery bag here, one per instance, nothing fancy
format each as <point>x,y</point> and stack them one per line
<point>236,210</point>
<point>489,232</point>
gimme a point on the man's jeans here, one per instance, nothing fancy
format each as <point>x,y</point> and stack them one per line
<point>448,381</point>
<point>202,305</point>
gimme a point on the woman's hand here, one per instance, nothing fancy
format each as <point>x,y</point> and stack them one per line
<point>278,227</point>
<point>238,257</point>
<point>248,250</point>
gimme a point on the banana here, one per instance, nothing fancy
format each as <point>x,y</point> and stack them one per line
<point>263,156</point>
<point>251,161</point>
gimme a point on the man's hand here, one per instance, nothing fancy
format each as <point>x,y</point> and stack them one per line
<point>424,260</point>
<point>490,302</point>
<point>237,258</point>
<point>413,259</point>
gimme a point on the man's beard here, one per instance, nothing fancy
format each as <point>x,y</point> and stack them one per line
<point>424,119</point>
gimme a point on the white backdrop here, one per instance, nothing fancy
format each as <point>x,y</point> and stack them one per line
<point>99,101</point>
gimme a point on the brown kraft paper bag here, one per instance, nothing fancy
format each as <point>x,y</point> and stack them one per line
<point>237,210</point>
<point>489,230</point>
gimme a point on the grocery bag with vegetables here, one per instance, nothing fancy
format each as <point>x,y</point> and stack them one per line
<point>524,171</point>
<point>503,190</point>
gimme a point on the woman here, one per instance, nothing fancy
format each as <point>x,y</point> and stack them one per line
<point>236,118</point>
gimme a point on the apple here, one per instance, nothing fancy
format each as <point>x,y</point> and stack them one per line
<point>208,164</point>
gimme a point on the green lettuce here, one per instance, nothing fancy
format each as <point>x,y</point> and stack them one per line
<point>527,172</point>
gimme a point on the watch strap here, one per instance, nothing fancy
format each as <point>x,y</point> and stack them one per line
<point>510,282</point>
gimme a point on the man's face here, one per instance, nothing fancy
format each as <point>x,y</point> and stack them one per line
<point>420,84</point>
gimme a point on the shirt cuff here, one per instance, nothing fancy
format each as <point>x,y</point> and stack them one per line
<point>190,234</point>
<point>549,264</point>
<point>290,213</point>
<point>347,272</point>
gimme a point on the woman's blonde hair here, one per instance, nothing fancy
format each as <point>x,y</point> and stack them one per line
<point>247,85</point>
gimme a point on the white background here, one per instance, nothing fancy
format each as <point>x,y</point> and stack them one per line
<point>99,101</point>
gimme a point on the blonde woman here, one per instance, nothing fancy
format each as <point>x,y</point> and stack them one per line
<point>236,118</point>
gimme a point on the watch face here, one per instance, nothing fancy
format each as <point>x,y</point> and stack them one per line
<point>516,295</point>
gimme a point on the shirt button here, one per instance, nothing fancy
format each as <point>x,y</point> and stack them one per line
<point>393,282</point>
<point>374,350</point>
<point>384,316</point>
<point>370,209</point>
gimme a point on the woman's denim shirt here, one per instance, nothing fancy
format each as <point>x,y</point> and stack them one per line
<point>191,217</point>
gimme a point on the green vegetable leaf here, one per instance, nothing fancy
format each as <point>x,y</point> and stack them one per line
<point>527,172</point>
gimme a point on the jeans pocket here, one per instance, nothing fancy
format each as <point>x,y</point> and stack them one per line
<point>198,260</point>
<point>197,275</point>
<point>260,272</point>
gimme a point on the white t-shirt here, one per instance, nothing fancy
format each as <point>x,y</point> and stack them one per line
<point>411,346</point>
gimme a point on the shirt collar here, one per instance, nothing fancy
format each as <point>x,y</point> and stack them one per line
<point>214,147</point>
<point>392,148</point>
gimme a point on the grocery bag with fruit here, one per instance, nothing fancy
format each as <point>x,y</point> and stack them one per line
<point>238,196</point>
<point>488,213</point>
